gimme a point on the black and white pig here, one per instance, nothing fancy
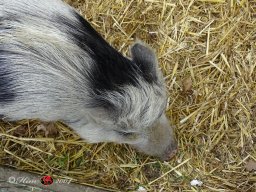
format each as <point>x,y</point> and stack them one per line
<point>55,66</point>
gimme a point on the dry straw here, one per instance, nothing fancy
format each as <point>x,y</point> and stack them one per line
<point>207,51</point>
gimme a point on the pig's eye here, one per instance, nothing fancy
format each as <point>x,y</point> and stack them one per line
<point>124,133</point>
<point>130,135</point>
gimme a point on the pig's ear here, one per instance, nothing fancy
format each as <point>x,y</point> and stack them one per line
<point>145,59</point>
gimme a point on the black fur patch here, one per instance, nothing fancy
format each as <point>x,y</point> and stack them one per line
<point>111,70</point>
<point>6,80</point>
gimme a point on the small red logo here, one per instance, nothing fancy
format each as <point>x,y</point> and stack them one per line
<point>46,180</point>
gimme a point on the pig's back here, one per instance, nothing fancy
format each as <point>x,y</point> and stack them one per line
<point>41,68</point>
<point>53,64</point>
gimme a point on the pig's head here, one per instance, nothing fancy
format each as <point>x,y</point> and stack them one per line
<point>134,113</point>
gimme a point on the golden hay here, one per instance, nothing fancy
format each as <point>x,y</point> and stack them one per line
<point>207,51</point>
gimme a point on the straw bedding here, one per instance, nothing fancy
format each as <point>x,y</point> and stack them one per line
<point>207,52</point>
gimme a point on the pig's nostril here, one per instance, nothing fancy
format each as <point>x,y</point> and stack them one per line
<point>170,152</point>
<point>173,153</point>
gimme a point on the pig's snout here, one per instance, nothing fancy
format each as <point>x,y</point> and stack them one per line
<point>161,141</point>
<point>170,152</point>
